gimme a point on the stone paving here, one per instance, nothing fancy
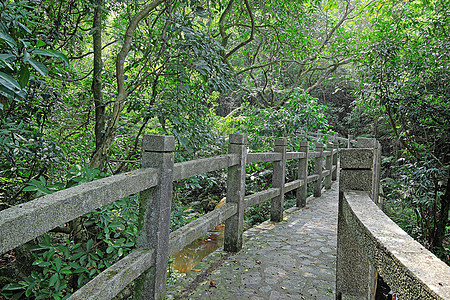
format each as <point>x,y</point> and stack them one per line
<point>293,259</point>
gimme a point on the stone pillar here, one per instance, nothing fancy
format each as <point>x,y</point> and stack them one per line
<point>376,146</point>
<point>318,170</point>
<point>335,160</point>
<point>329,166</point>
<point>355,276</point>
<point>350,138</point>
<point>301,192</point>
<point>234,226</point>
<point>154,215</point>
<point>278,180</point>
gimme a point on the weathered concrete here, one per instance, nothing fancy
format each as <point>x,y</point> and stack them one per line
<point>356,158</point>
<point>356,277</point>
<point>293,185</point>
<point>293,259</point>
<point>259,197</point>
<point>190,232</point>
<point>302,191</point>
<point>328,166</point>
<point>410,270</point>
<point>191,168</point>
<point>24,222</point>
<point>154,216</point>
<point>318,163</point>
<point>335,160</point>
<point>278,180</point>
<point>263,157</point>
<point>234,226</point>
<point>295,155</point>
<point>113,280</point>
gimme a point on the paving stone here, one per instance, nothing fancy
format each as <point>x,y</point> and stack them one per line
<point>296,258</point>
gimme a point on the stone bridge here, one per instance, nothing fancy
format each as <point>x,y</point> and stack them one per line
<point>332,245</point>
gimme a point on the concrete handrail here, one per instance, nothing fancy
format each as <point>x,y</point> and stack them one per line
<point>371,244</point>
<point>406,266</point>
<point>24,222</point>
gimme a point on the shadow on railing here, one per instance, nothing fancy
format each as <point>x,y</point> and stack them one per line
<point>370,243</point>
<point>148,263</point>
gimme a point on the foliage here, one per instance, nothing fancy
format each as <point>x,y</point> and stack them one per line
<point>22,51</point>
<point>64,266</point>
<point>404,78</point>
<point>300,113</point>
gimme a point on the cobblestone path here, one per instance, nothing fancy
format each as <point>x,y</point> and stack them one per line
<point>293,259</point>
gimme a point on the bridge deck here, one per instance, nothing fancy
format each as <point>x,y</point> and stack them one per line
<point>293,259</point>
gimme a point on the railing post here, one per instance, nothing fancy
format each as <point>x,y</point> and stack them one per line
<point>318,170</point>
<point>154,215</point>
<point>303,175</point>
<point>278,180</point>
<point>335,160</point>
<point>355,276</point>
<point>234,226</point>
<point>329,166</point>
<point>350,138</point>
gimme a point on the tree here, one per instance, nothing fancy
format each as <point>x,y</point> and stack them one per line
<point>405,70</point>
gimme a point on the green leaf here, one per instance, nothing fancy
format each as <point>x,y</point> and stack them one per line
<point>42,263</point>
<point>24,76</point>
<point>12,287</point>
<point>30,188</point>
<point>30,289</point>
<point>52,53</point>
<point>8,39</point>
<point>89,245</point>
<point>38,66</point>
<point>79,270</point>
<point>9,82</point>
<point>58,263</point>
<point>6,56</point>
<point>53,280</point>
<point>40,43</point>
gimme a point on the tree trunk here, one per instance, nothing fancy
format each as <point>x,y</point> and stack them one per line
<point>100,154</point>
<point>97,83</point>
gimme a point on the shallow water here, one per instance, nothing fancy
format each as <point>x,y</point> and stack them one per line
<point>193,253</point>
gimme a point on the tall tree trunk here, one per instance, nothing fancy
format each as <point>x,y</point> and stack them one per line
<point>101,152</point>
<point>97,83</point>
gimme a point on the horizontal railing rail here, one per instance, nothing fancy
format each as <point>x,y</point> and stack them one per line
<point>27,221</point>
<point>192,168</point>
<point>24,222</point>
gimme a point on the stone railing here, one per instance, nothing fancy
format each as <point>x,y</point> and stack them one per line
<point>370,243</point>
<point>147,265</point>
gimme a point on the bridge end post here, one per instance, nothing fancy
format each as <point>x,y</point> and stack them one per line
<point>318,170</point>
<point>301,192</point>
<point>234,226</point>
<point>154,215</point>
<point>355,276</point>
<point>278,180</point>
